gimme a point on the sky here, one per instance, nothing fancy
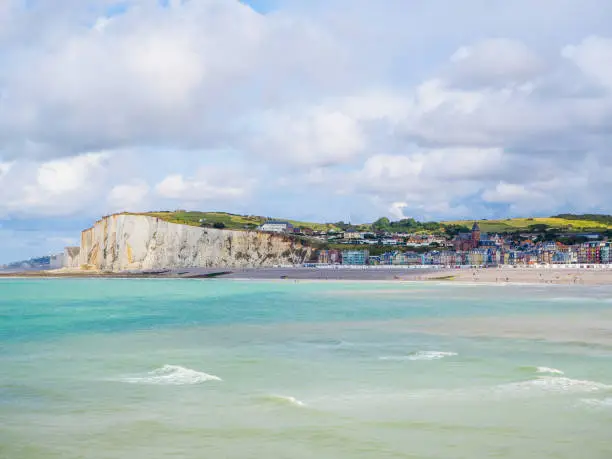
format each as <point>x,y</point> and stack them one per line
<point>321,110</point>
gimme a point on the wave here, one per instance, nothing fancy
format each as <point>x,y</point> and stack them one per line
<point>552,371</point>
<point>541,370</point>
<point>554,384</point>
<point>172,375</point>
<point>598,403</point>
<point>284,400</point>
<point>421,355</point>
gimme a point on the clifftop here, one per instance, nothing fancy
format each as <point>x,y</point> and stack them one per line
<point>562,222</point>
<point>229,221</point>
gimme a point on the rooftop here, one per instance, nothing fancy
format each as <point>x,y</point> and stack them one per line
<point>277,222</point>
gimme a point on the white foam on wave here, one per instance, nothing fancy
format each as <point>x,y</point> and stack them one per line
<point>287,399</point>
<point>420,355</point>
<point>598,403</point>
<point>554,384</point>
<point>172,375</point>
<point>429,355</point>
<point>548,370</point>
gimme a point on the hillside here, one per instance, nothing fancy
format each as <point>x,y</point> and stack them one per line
<point>562,223</point>
<point>230,221</point>
<point>567,223</point>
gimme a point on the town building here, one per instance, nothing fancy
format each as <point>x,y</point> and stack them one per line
<point>329,257</point>
<point>274,226</point>
<point>352,234</point>
<point>355,257</point>
<point>468,241</point>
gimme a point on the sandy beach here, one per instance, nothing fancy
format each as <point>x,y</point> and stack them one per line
<point>526,276</point>
<point>289,273</point>
<point>518,275</point>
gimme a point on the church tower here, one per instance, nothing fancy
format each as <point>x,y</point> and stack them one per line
<point>475,235</point>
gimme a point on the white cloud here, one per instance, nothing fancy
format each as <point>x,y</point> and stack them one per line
<point>337,98</point>
<point>385,170</point>
<point>56,187</point>
<point>182,76</point>
<point>68,175</point>
<point>208,186</point>
<point>128,196</point>
<point>396,210</point>
<point>319,137</point>
<point>5,168</point>
<point>593,56</point>
<point>494,62</point>
<point>507,193</point>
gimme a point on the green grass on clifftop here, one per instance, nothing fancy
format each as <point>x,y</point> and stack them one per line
<point>561,223</point>
<point>230,221</point>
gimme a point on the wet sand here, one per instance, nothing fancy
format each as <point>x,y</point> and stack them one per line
<point>556,276</point>
<point>298,273</point>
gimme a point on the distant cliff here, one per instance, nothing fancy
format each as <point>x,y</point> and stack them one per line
<point>135,242</point>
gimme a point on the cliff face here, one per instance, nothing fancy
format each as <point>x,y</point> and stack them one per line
<point>71,258</point>
<point>134,242</point>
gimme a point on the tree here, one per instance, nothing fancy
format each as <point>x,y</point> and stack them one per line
<point>548,236</point>
<point>452,230</point>
<point>572,239</point>
<point>431,226</point>
<point>219,225</point>
<point>538,228</point>
<point>382,224</point>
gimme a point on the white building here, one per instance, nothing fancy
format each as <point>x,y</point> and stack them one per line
<point>276,227</point>
<point>353,235</point>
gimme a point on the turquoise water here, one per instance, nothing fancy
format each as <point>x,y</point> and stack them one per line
<point>231,369</point>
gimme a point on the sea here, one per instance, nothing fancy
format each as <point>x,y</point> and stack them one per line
<point>214,368</point>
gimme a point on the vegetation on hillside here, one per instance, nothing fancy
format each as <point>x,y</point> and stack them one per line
<point>561,224</point>
<point>600,218</point>
<point>405,225</point>
<point>452,230</point>
<point>546,228</point>
<point>229,221</point>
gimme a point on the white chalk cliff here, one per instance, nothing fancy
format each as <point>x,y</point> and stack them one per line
<point>126,242</point>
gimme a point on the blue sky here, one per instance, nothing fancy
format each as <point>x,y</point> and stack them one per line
<point>311,109</point>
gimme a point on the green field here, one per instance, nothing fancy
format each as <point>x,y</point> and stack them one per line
<point>523,224</point>
<point>242,222</point>
<point>230,221</point>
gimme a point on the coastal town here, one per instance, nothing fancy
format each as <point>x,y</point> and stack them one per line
<point>563,241</point>
<point>468,248</point>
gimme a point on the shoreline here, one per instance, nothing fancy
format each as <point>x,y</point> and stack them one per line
<point>280,274</point>
<point>481,276</point>
<point>527,276</point>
